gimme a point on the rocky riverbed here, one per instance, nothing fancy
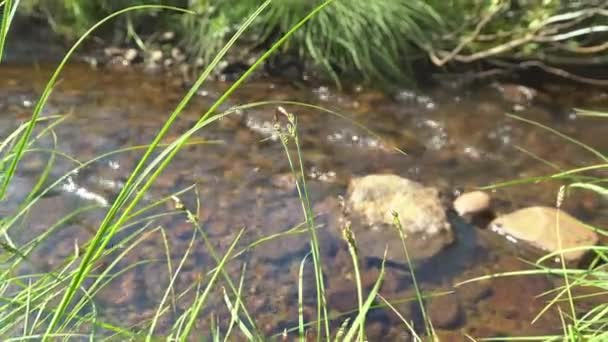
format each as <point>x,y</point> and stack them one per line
<point>454,141</point>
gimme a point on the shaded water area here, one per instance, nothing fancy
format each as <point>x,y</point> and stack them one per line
<point>454,139</point>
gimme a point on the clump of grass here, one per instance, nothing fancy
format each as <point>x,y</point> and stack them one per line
<point>8,13</point>
<point>348,330</point>
<point>288,136</point>
<point>366,40</point>
<point>72,18</point>
<point>371,40</point>
<point>56,297</point>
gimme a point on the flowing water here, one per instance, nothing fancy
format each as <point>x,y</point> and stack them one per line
<point>454,139</point>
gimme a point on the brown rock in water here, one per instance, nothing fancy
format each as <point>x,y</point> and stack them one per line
<point>472,203</point>
<point>403,307</point>
<point>342,295</point>
<point>371,201</point>
<point>445,312</point>
<point>514,302</point>
<point>285,215</point>
<point>285,181</point>
<point>121,291</point>
<point>474,292</point>
<point>516,93</point>
<point>375,330</point>
<point>449,336</point>
<point>538,226</point>
<point>284,248</point>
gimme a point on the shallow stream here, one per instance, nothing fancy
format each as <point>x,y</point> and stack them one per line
<point>455,139</point>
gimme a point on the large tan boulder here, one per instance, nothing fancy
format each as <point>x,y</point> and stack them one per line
<point>375,197</point>
<point>372,199</point>
<point>538,226</point>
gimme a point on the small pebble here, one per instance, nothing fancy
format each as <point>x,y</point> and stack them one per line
<point>156,56</point>
<point>131,54</point>
<point>167,36</point>
<point>472,203</point>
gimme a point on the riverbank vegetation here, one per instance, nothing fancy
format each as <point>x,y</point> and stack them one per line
<point>368,40</point>
<point>61,302</point>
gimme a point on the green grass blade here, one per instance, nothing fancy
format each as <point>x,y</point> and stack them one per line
<point>349,237</point>
<point>355,327</point>
<point>595,152</point>
<point>169,289</point>
<point>4,26</point>
<point>301,298</point>
<point>28,304</point>
<point>592,113</point>
<point>419,294</point>
<point>603,191</point>
<point>409,327</point>
<point>200,302</point>
<point>547,271</point>
<point>234,310</point>
<point>45,173</point>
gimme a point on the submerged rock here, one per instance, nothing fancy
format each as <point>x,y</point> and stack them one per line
<point>445,312</point>
<point>376,197</point>
<point>538,226</point>
<point>373,199</point>
<point>516,93</point>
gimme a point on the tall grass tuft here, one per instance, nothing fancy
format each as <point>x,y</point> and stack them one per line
<point>149,169</point>
<point>72,18</point>
<point>289,135</point>
<point>369,40</point>
<point>366,40</point>
<point>9,8</point>
<point>59,297</point>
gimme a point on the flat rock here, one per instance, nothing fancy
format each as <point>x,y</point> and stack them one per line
<point>371,201</point>
<point>538,226</point>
